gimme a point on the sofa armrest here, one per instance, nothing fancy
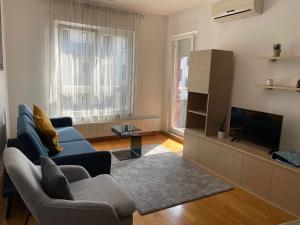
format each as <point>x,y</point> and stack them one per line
<point>74,173</point>
<point>14,143</point>
<point>61,212</point>
<point>62,122</point>
<point>95,163</point>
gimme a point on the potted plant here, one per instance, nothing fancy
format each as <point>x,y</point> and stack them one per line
<point>276,50</point>
<point>222,127</point>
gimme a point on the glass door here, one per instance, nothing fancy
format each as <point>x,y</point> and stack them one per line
<point>182,48</point>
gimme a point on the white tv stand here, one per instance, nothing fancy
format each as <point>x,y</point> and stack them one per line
<point>247,166</point>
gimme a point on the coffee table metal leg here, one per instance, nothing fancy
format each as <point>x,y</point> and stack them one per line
<point>136,145</point>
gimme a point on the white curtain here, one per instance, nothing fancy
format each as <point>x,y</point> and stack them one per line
<point>92,61</point>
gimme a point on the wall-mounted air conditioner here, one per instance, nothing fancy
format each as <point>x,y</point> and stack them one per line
<point>227,10</point>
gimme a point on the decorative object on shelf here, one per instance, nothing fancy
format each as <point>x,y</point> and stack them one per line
<point>270,82</point>
<point>276,50</point>
<point>222,127</point>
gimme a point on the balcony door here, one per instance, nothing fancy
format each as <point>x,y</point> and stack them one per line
<point>182,46</point>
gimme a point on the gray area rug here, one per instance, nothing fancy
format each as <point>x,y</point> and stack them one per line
<point>161,179</point>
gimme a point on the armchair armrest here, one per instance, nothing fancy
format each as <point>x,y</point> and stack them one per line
<point>74,173</point>
<point>61,212</point>
<point>62,122</point>
<point>95,163</point>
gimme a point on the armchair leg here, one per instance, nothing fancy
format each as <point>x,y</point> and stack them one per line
<point>27,218</point>
<point>8,207</point>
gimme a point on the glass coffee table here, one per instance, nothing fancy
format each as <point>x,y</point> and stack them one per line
<point>135,151</point>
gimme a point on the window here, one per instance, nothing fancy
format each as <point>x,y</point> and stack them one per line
<point>94,73</point>
<point>182,46</point>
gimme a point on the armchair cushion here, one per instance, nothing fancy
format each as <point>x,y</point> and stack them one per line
<point>104,189</point>
<point>54,182</point>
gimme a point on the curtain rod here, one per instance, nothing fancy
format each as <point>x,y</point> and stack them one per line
<point>101,4</point>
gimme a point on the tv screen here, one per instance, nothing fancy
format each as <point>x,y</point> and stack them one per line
<point>259,128</point>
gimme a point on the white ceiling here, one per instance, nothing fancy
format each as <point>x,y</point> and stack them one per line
<point>161,7</point>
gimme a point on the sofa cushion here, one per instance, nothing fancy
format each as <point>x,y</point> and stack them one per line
<point>104,188</point>
<point>47,132</point>
<point>54,182</point>
<point>68,134</point>
<point>75,147</point>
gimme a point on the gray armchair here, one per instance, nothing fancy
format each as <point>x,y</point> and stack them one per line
<point>98,200</point>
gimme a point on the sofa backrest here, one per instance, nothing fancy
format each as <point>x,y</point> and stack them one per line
<point>25,110</point>
<point>30,140</point>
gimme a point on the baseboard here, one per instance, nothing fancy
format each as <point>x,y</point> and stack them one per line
<point>174,137</point>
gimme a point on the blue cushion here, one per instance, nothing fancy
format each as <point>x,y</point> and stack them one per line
<point>74,148</point>
<point>33,146</point>
<point>68,134</point>
<point>25,110</point>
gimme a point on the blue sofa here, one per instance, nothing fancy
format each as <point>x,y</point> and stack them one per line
<point>77,151</point>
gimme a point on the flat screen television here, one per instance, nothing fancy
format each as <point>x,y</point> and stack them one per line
<point>259,128</point>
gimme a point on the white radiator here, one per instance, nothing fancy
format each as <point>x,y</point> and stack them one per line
<point>94,130</point>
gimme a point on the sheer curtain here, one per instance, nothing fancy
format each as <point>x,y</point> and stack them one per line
<point>92,61</point>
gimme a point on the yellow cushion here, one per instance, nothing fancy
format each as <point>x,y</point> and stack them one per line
<point>46,130</point>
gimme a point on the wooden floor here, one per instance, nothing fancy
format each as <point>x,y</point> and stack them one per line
<point>235,207</point>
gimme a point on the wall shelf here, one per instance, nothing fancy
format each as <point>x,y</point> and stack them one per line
<point>279,87</point>
<point>274,59</point>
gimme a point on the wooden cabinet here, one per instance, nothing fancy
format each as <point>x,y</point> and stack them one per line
<point>256,176</point>
<point>199,71</point>
<point>209,95</point>
<point>208,155</point>
<point>247,166</point>
<point>191,145</point>
<point>229,163</point>
<point>285,190</point>
<point>209,89</point>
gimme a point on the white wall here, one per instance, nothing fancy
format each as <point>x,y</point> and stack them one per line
<point>25,42</point>
<point>25,54</point>
<point>151,66</point>
<point>250,38</point>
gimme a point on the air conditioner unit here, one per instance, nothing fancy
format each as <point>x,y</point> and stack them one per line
<point>227,10</point>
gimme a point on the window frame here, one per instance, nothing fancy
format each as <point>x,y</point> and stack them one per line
<point>131,44</point>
